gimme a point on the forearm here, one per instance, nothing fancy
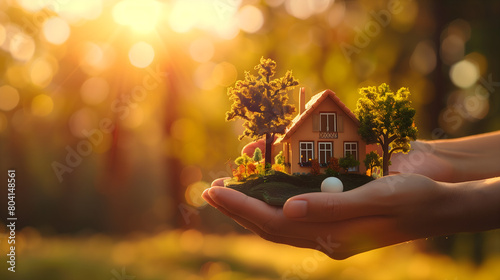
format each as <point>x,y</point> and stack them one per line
<point>474,206</point>
<point>471,158</point>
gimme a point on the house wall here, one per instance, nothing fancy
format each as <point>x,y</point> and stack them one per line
<point>305,133</point>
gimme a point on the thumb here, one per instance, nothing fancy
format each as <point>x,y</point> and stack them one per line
<point>330,207</point>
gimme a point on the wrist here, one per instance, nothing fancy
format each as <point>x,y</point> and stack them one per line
<point>473,206</point>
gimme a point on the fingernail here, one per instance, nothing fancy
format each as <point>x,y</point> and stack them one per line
<point>296,208</point>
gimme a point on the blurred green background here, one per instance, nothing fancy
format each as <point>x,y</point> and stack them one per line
<point>112,114</point>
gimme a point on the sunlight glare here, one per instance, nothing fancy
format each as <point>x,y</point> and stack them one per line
<point>141,54</point>
<point>9,96</point>
<point>56,30</point>
<point>210,15</point>
<point>201,50</point>
<point>140,15</point>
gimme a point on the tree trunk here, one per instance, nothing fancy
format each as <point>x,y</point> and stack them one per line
<point>385,156</point>
<point>385,163</point>
<point>269,155</point>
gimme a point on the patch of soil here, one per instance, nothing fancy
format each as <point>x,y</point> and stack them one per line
<point>277,188</point>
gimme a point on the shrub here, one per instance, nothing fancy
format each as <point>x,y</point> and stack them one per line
<point>348,162</point>
<point>315,167</point>
<point>333,167</point>
<point>372,160</point>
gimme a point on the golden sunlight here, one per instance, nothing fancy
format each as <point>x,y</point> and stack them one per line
<point>141,54</point>
<point>9,97</point>
<point>56,30</point>
<point>42,105</point>
<point>140,15</point>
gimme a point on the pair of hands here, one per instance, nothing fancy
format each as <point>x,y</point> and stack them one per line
<point>386,211</point>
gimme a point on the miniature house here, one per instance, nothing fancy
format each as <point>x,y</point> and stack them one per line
<point>323,128</point>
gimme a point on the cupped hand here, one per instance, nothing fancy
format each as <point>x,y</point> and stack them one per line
<point>384,212</point>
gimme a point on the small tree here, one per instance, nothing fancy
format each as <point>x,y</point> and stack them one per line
<point>386,118</point>
<point>257,155</point>
<point>348,162</point>
<point>333,167</point>
<point>262,104</point>
<point>279,158</point>
<point>372,159</point>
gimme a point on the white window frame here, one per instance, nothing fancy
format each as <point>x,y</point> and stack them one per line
<point>308,150</point>
<point>327,124</point>
<point>350,151</point>
<point>324,147</point>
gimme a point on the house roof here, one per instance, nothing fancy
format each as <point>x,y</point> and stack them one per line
<point>309,108</point>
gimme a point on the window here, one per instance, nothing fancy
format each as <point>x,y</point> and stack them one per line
<point>325,152</point>
<point>351,148</point>
<point>328,122</point>
<point>306,151</point>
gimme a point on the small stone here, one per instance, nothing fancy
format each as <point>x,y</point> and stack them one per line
<point>332,185</point>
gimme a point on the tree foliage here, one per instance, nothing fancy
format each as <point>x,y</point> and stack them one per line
<point>348,162</point>
<point>262,102</point>
<point>386,118</point>
<point>371,160</point>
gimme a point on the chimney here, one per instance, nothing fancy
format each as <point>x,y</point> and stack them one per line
<point>302,100</point>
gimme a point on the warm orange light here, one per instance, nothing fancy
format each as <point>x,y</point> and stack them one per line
<point>140,15</point>
<point>141,54</point>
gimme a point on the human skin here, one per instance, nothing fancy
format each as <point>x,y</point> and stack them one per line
<point>386,211</point>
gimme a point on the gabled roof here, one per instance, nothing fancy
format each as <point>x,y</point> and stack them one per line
<point>309,108</point>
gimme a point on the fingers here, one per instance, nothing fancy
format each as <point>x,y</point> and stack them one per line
<point>270,236</point>
<point>219,182</point>
<point>331,207</point>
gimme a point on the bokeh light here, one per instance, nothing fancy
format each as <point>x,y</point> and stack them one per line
<point>82,121</point>
<point>464,74</point>
<point>141,54</point>
<point>41,72</point>
<point>42,105</point>
<point>9,96</point>
<point>303,9</point>
<point>424,58</point>
<point>56,30</point>
<point>22,46</point>
<point>250,19</point>
<point>94,90</point>
<point>140,15</point>
<point>193,193</point>
<point>95,58</point>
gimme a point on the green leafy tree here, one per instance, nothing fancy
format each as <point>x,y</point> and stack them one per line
<point>257,155</point>
<point>348,162</point>
<point>386,118</point>
<point>371,160</point>
<point>279,158</point>
<point>262,103</point>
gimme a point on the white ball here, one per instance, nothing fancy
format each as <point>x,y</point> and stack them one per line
<point>332,185</point>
